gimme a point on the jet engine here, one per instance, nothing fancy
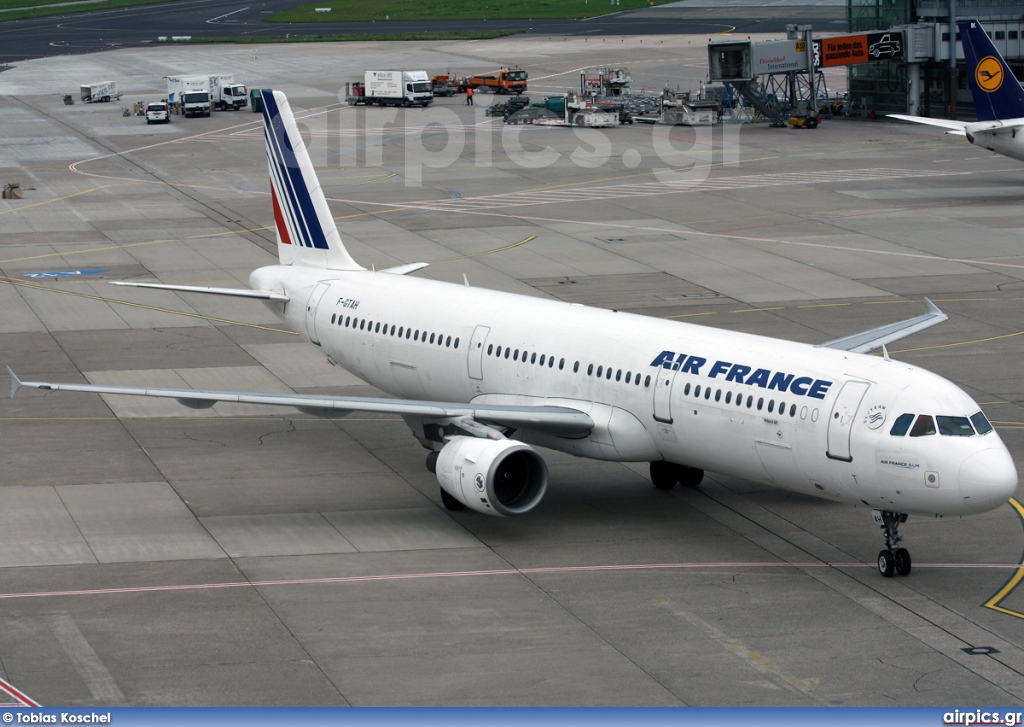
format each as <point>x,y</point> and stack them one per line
<point>492,476</point>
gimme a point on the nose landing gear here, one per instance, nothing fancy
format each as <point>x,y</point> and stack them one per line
<point>893,559</point>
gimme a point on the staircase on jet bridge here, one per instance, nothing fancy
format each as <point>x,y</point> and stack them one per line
<point>770,109</point>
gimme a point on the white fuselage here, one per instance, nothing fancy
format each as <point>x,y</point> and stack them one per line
<point>795,416</point>
<point>1004,137</point>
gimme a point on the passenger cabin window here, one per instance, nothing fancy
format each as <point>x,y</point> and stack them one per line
<point>901,425</point>
<point>981,423</point>
<point>954,426</point>
<point>924,426</point>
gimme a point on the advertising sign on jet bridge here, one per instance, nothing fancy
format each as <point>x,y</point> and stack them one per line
<point>776,56</point>
<point>848,49</point>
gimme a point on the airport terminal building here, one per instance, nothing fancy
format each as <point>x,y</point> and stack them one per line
<point>925,82</point>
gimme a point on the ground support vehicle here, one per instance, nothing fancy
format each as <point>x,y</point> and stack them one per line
<point>158,113</point>
<point>190,95</point>
<point>447,85</point>
<point>507,80</point>
<point>102,91</point>
<point>392,88</point>
<point>226,94</point>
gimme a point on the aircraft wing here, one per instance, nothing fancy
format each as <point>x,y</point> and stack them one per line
<point>951,126</point>
<point>877,337</point>
<point>561,421</point>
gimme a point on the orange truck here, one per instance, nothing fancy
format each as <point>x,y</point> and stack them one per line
<point>507,80</point>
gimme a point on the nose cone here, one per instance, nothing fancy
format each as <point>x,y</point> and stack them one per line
<point>987,479</point>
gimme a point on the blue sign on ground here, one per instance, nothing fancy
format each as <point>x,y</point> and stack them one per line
<point>65,273</point>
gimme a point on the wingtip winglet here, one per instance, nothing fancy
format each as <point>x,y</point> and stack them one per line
<point>15,381</point>
<point>932,308</point>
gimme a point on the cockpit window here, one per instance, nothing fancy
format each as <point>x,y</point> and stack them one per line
<point>924,426</point>
<point>954,426</point>
<point>981,423</point>
<point>901,425</point>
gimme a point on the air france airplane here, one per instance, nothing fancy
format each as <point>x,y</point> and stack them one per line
<point>998,98</point>
<point>483,377</point>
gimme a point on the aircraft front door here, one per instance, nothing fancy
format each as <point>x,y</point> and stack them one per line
<point>840,423</point>
<point>663,395</point>
<point>311,306</point>
<point>476,352</point>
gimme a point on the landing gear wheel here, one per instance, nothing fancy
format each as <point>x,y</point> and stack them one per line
<point>893,559</point>
<point>450,503</point>
<point>886,563</point>
<point>690,476</point>
<point>664,475</point>
<point>902,561</point>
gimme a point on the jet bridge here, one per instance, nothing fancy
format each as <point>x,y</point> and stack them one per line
<point>783,78</point>
<point>748,66</point>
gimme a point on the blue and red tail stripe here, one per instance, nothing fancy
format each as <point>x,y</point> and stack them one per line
<point>294,212</point>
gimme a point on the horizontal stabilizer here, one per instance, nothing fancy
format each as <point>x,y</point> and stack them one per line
<point>958,128</point>
<point>877,337</point>
<point>405,269</point>
<point>236,292</point>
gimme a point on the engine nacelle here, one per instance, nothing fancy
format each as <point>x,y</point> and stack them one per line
<point>492,476</point>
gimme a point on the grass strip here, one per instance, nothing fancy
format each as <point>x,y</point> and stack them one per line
<point>26,9</point>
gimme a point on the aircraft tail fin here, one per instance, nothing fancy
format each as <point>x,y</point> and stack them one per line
<point>997,93</point>
<point>306,233</point>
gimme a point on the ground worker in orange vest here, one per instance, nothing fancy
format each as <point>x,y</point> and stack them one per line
<point>469,96</point>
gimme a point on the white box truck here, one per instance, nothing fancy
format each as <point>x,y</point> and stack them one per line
<point>190,94</point>
<point>395,88</point>
<point>102,91</point>
<point>226,94</point>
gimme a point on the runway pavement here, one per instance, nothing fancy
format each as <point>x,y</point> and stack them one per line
<point>155,555</point>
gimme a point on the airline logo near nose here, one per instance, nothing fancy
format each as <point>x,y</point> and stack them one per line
<point>989,74</point>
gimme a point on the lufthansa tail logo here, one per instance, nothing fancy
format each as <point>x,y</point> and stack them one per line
<point>989,74</point>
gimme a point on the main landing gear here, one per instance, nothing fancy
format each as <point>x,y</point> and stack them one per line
<point>666,475</point>
<point>893,559</point>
